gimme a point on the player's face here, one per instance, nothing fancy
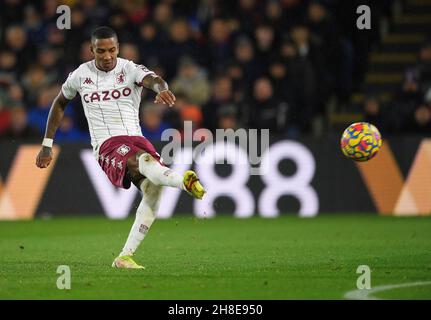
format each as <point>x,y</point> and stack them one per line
<point>105,53</point>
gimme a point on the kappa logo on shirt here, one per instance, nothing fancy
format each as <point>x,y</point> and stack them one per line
<point>123,150</point>
<point>88,81</point>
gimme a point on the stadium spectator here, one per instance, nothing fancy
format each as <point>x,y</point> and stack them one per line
<point>129,51</point>
<point>84,53</point>
<point>49,11</point>
<point>192,81</point>
<point>180,44</point>
<point>410,95</point>
<point>150,43</point>
<point>136,11</point>
<point>15,95</point>
<point>152,124</point>
<point>97,12</point>
<point>11,12</point>
<point>249,15</point>
<point>222,93</point>
<point>422,120</point>
<point>227,117</point>
<point>409,104</point>
<point>163,17</point>
<point>406,101</point>
<point>38,113</point>
<point>118,20</point>
<point>8,66</point>
<point>424,67</point>
<point>75,36</point>
<point>33,24</point>
<point>239,87</point>
<point>11,94</point>
<point>281,80</point>
<point>16,42</point>
<point>4,119</point>
<point>334,60</point>
<point>294,11</point>
<point>304,84</point>
<point>311,66</point>
<point>188,111</point>
<point>67,131</point>
<point>323,28</point>
<point>265,44</point>
<point>48,58</point>
<point>380,115</point>
<point>56,38</point>
<point>205,12</point>
<point>18,127</point>
<point>245,56</point>
<point>219,45</point>
<point>274,15</point>
<point>34,81</point>
<point>264,110</point>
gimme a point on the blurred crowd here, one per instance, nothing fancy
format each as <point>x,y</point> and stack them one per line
<point>245,63</point>
<point>409,109</point>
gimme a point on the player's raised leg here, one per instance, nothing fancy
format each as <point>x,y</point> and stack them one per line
<point>163,176</point>
<point>192,185</point>
<point>145,216</point>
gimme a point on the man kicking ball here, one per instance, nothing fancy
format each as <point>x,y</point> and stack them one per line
<point>110,90</point>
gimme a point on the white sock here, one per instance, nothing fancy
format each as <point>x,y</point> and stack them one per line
<point>145,216</point>
<point>158,174</point>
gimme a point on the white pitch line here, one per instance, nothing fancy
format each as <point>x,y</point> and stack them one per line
<point>365,294</point>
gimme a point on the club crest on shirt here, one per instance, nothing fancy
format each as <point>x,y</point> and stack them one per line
<point>123,150</point>
<point>121,78</point>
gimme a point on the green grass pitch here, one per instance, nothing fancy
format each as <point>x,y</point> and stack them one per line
<point>219,258</point>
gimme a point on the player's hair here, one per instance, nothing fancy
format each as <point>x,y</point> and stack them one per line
<point>103,33</point>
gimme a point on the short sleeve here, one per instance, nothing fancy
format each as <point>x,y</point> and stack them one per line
<point>70,86</point>
<point>140,72</point>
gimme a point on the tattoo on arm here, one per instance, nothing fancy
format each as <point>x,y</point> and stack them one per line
<point>55,115</point>
<point>155,83</point>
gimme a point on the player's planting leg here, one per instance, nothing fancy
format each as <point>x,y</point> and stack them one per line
<point>163,176</point>
<point>145,216</point>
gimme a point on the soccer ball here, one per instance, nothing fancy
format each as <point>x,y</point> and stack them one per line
<point>361,141</point>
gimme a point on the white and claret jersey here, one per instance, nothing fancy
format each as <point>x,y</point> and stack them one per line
<point>110,99</point>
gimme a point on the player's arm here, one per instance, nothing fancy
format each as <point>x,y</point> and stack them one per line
<point>55,116</point>
<point>158,85</point>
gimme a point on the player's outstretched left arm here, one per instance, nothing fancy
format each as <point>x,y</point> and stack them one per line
<point>158,85</point>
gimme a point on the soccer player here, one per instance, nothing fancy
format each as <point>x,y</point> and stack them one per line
<point>110,90</point>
